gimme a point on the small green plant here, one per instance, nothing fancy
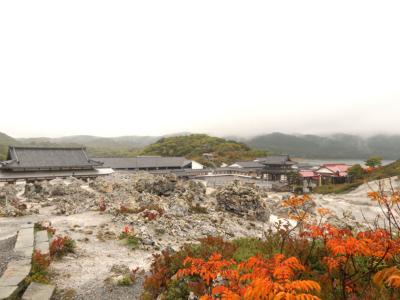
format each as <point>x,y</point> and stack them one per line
<point>177,289</point>
<point>125,281</point>
<point>129,236</point>
<point>133,242</point>
<point>248,247</point>
<point>127,277</point>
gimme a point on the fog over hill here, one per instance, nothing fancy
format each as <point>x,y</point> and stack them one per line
<point>332,146</point>
<point>95,141</point>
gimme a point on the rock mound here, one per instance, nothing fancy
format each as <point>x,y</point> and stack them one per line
<point>244,200</point>
<point>10,204</point>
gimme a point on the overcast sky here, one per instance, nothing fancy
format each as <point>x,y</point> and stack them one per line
<point>114,68</point>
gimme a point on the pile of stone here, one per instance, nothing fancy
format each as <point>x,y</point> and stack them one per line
<point>245,200</point>
<point>136,192</point>
<point>345,220</point>
<point>41,190</point>
<point>173,230</point>
<point>74,202</point>
<point>10,204</point>
<point>37,191</point>
<point>131,184</point>
<point>69,196</point>
<point>275,204</point>
<point>117,183</point>
<point>157,185</point>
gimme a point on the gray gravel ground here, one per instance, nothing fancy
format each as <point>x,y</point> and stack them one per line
<point>106,292</point>
<point>6,253</point>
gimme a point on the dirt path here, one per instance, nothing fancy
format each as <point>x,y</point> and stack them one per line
<point>82,275</point>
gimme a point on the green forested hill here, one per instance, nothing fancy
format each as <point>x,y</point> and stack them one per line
<point>5,140</point>
<point>193,146</point>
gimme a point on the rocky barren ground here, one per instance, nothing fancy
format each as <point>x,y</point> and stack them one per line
<point>162,211</point>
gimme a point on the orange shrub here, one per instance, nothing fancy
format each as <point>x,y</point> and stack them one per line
<point>255,278</point>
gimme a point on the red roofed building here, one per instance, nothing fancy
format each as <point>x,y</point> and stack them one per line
<point>307,174</point>
<point>333,173</point>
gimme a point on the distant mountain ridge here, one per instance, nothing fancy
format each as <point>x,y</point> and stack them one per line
<point>95,141</point>
<point>332,146</point>
<point>337,146</point>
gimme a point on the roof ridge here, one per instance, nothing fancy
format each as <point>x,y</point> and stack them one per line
<point>47,148</point>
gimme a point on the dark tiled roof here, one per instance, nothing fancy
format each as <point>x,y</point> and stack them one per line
<point>33,158</point>
<point>144,162</point>
<point>249,164</point>
<point>276,160</point>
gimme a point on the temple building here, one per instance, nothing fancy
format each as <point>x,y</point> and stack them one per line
<point>148,163</point>
<point>277,167</point>
<point>40,163</point>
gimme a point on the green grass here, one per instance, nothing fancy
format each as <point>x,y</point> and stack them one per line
<point>130,239</point>
<point>337,188</point>
<point>387,171</point>
<point>247,247</point>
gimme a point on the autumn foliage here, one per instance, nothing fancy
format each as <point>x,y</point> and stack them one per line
<point>256,278</point>
<point>61,245</point>
<point>40,264</point>
<point>307,259</point>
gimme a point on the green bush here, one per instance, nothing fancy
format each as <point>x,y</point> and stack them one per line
<point>130,239</point>
<point>247,247</point>
<point>125,281</point>
<point>177,290</point>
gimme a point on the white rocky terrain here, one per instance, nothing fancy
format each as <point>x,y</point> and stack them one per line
<point>164,213</point>
<point>356,205</point>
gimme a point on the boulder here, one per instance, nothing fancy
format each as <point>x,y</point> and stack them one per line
<point>244,200</point>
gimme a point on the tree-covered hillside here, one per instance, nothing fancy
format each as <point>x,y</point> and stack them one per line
<point>195,145</point>
<point>5,140</point>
